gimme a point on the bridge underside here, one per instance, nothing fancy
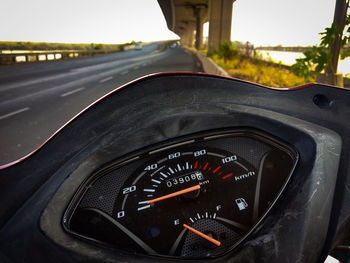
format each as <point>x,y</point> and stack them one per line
<point>186,19</point>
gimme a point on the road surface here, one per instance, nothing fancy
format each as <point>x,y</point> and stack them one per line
<point>37,99</point>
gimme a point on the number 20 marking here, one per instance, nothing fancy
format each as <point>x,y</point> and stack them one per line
<point>129,189</point>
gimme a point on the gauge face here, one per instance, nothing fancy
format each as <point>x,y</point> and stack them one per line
<point>194,198</point>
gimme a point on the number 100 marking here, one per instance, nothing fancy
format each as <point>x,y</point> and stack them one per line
<point>229,159</point>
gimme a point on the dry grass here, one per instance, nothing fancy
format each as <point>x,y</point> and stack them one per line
<point>259,71</point>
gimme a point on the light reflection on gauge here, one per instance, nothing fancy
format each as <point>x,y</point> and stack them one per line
<point>214,172</point>
<point>190,199</point>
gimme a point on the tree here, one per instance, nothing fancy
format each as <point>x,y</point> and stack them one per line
<point>337,41</point>
<point>325,56</point>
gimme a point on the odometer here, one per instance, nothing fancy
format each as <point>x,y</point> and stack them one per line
<point>192,198</point>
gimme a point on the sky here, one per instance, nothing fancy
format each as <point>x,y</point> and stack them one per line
<point>281,22</point>
<point>261,22</point>
<point>83,21</point>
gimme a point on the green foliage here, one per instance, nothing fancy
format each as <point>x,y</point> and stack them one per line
<point>98,47</point>
<point>227,51</point>
<point>328,35</point>
<point>319,57</point>
<point>316,59</point>
<point>19,45</point>
<point>346,38</point>
<point>302,68</point>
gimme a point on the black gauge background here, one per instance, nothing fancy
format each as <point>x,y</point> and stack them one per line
<point>163,216</point>
<point>144,154</point>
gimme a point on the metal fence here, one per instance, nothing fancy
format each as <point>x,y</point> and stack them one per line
<point>28,57</point>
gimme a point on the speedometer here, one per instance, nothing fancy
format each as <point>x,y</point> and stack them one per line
<point>194,197</point>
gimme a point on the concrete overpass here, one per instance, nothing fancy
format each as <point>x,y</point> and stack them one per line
<point>186,18</point>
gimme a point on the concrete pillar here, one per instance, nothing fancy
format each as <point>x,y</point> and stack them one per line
<point>187,35</point>
<point>190,40</point>
<point>199,27</point>
<point>200,13</point>
<point>220,18</point>
<point>197,15</point>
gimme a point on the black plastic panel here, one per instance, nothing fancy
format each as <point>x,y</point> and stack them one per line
<point>311,216</point>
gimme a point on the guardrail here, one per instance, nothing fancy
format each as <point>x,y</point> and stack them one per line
<point>28,57</point>
<point>208,65</point>
<point>286,49</point>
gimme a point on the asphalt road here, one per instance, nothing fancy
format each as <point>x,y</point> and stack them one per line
<point>37,99</point>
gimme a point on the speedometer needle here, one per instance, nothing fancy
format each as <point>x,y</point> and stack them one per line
<point>210,239</point>
<point>181,192</point>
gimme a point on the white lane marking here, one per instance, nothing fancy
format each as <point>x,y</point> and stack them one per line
<point>106,79</point>
<point>137,67</point>
<point>114,66</point>
<point>14,113</point>
<point>124,72</point>
<point>71,92</point>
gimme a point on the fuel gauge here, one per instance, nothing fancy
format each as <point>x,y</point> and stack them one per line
<point>204,234</point>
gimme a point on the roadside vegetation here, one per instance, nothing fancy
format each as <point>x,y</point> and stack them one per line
<point>253,68</point>
<point>319,57</point>
<point>319,61</point>
<point>334,44</point>
<point>19,45</point>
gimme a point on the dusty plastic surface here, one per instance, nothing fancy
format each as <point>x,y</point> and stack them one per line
<point>301,227</point>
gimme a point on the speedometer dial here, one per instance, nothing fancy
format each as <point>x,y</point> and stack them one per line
<point>192,198</point>
<point>185,187</point>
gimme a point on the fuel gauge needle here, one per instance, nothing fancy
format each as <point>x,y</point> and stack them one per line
<point>210,239</point>
<point>181,192</point>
